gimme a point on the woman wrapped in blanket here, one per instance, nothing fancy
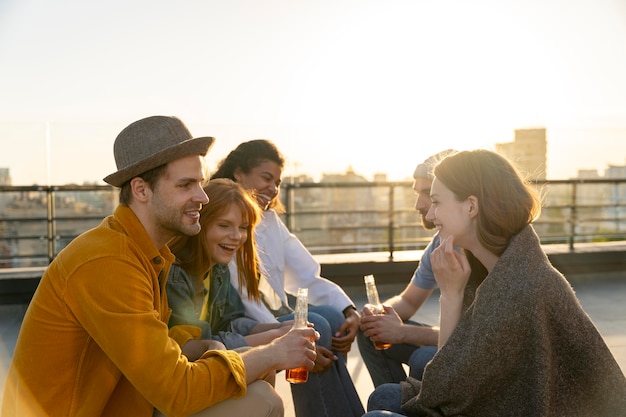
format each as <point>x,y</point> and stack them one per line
<point>514,340</point>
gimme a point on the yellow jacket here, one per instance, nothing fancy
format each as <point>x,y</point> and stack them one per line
<point>94,341</point>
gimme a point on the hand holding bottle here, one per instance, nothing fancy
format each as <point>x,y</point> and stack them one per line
<point>375,306</point>
<point>300,374</point>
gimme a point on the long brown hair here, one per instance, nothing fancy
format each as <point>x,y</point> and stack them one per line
<point>191,251</point>
<point>507,202</point>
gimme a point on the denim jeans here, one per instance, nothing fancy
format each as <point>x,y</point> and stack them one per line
<point>381,413</point>
<point>331,393</point>
<point>385,366</point>
<point>386,400</point>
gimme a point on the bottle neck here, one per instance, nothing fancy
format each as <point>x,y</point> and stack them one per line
<point>301,314</point>
<point>372,294</point>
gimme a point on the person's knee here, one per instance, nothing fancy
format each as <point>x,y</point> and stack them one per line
<point>267,402</point>
<point>385,397</point>
<point>323,328</point>
<point>419,359</point>
<point>334,317</point>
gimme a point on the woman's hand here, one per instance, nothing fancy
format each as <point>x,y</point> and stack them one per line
<point>451,267</point>
<point>194,349</point>
<point>452,271</point>
<point>263,327</point>
<point>343,339</point>
<point>323,360</point>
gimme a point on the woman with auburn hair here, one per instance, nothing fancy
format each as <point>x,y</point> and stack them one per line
<point>514,340</point>
<point>207,311</point>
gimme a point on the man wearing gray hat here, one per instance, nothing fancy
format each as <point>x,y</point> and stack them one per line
<point>413,343</point>
<point>94,340</point>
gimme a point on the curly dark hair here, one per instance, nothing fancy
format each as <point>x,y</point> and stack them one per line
<point>248,155</point>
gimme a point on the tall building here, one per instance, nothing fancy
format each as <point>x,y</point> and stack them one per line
<point>5,176</point>
<point>615,171</point>
<point>588,173</point>
<point>528,152</point>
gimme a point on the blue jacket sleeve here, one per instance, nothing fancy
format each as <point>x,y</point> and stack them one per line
<point>185,297</point>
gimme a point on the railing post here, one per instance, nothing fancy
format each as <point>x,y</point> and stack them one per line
<point>51,215</point>
<point>573,217</point>
<point>290,207</point>
<point>616,208</point>
<point>391,220</point>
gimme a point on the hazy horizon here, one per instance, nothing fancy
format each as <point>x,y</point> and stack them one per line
<point>50,156</point>
<point>374,85</point>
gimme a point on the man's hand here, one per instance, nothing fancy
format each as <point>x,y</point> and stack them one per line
<point>385,327</point>
<point>295,349</point>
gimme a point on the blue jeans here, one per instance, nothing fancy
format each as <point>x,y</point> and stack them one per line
<point>381,413</point>
<point>331,393</point>
<point>385,366</point>
<point>386,400</point>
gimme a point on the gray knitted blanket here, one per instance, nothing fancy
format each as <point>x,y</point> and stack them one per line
<point>523,347</point>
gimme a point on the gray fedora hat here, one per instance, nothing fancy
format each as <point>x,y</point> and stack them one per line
<point>152,142</point>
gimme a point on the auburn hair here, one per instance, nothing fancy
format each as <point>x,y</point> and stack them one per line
<point>192,252</point>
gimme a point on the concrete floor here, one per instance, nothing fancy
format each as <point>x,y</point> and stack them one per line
<point>604,301</point>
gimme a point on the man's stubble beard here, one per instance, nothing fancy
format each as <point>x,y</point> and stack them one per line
<point>425,223</point>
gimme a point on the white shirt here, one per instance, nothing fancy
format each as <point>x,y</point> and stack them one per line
<point>286,266</point>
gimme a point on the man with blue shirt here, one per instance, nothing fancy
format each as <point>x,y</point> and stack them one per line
<point>413,343</point>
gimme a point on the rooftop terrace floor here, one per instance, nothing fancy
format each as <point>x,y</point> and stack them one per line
<point>604,300</point>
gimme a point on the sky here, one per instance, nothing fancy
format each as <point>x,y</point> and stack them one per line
<point>372,85</point>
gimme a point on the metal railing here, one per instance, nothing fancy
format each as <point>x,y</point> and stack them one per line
<point>36,222</point>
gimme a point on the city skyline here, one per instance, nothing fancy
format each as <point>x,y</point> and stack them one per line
<point>373,85</point>
<point>48,171</point>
